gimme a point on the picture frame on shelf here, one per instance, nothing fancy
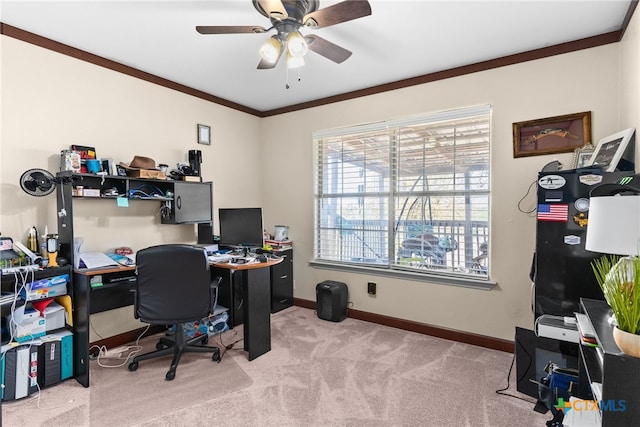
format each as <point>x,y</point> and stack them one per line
<point>204,134</point>
<point>610,150</point>
<point>551,135</point>
<point>107,165</point>
<point>582,156</point>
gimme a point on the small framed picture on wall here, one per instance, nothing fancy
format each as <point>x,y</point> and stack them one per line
<point>204,135</point>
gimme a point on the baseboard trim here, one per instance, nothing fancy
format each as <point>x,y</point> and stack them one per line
<point>422,328</point>
<point>394,322</point>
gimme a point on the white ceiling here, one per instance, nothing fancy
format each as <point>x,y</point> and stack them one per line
<point>400,40</point>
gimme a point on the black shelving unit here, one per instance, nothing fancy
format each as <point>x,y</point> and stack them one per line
<point>609,366</point>
<point>11,282</point>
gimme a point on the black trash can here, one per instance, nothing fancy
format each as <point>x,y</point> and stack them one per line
<point>331,300</point>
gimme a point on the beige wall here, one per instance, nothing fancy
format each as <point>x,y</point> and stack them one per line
<point>559,85</point>
<point>629,88</point>
<point>51,101</point>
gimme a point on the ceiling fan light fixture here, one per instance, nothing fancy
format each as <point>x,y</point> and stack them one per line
<point>294,61</point>
<point>270,49</point>
<point>296,44</point>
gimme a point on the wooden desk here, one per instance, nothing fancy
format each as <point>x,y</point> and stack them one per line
<point>255,279</point>
<point>115,292</point>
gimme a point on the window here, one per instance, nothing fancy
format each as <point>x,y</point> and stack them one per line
<point>409,194</point>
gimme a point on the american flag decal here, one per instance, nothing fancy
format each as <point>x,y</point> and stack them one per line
<point>554,212</point>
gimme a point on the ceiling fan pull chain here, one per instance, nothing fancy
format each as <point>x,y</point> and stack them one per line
<point>287,85</point>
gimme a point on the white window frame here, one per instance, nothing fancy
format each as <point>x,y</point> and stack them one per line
<point>370,169</point>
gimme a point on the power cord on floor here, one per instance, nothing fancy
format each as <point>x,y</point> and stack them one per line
<point>123,353</point>
<point>502,390</point>
<point>223,347</point>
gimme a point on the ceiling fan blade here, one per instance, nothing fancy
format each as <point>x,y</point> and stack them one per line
<point>229,29</point>
<point>327,49</point>
<point>273,8</point>
<point>337,13</point>
<point>264,65</point>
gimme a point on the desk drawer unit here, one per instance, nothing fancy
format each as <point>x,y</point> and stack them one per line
<point>282,282</point>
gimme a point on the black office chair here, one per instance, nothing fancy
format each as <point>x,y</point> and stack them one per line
<point>174,286</point>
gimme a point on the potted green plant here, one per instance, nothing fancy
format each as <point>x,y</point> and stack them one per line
<point>619,279</point>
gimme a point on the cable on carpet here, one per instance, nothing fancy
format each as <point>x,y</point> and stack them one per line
<point>502,390</point>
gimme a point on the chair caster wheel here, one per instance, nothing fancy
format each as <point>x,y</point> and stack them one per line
<point>159,345</point>
<point>133,366</point>
<point>216,357</point>
<point>170,375</point>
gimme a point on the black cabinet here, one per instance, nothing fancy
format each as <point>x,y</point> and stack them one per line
<point>192,203</point>
<point>282,282</point>
<point>606,373</point>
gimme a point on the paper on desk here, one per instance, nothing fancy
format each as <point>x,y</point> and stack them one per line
<point>126,260</point>
<point>96,260</point>
<point>219,257</point>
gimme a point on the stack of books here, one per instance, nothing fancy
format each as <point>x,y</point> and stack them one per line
<point>585,328</point>
<point>279,244</point>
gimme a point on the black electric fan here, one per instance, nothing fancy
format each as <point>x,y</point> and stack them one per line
<point>38,182</point>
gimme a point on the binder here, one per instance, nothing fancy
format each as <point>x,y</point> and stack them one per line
<point>22,372</point>
<point>49,361</point>
<point>9,374</point>
<point>66,353</point>
<point>7,391</point>
<point>32,384</point>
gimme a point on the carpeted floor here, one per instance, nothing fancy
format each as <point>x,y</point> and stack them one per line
<point>318,373</point>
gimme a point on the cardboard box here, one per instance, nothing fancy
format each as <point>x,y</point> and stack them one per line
<point>27,329</point>
<point>91,192</point>
<point>54,316</point>
<point>146,173</point>
<point>45,288</point>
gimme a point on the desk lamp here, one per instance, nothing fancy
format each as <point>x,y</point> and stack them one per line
<point>614,228</point>
<point>52,250</point>
<point>614,224</point>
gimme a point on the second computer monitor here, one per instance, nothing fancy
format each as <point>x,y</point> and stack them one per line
<point>241,227</point>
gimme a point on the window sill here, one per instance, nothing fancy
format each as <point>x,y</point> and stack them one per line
<point>463,281</point>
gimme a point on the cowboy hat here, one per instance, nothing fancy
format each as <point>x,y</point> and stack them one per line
<point>140,162</point>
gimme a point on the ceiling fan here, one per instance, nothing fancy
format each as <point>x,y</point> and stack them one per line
<point>287,17</point>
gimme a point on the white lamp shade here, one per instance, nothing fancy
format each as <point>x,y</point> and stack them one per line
<point>614,225</point>
<point>296,44</point>
<point>270,50</point>
<point>295,61</point>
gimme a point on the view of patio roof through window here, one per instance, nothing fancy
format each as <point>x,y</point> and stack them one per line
<point>410,194</point>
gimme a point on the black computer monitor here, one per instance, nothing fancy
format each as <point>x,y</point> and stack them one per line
<point>241,227</point>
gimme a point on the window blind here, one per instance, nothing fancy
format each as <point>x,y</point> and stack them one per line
<point>409,194</point>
